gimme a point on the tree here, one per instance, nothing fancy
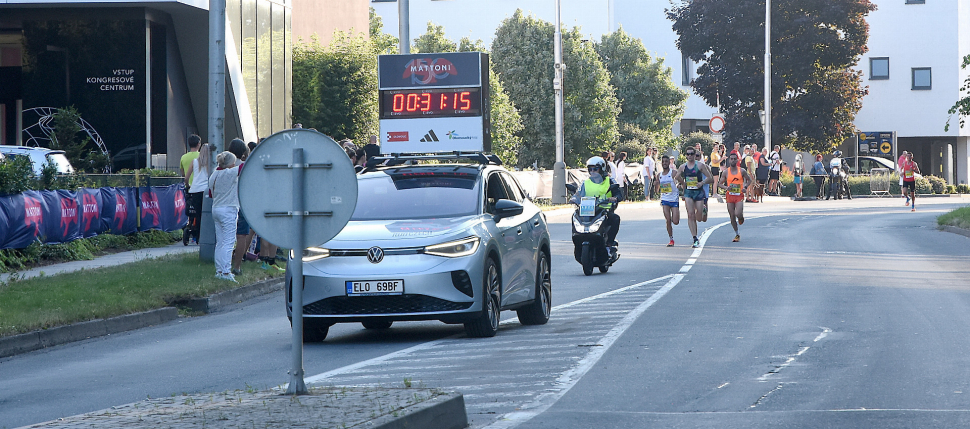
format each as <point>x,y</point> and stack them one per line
<point>505,122</point>
<point>649,99</point>
<point>335,87</point>
<point>522,51</point>
<point>815,93</point>
<point>962,106</point>
<point>383,43</point>
<point>68,136</point>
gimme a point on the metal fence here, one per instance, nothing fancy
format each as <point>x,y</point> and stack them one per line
<point>127,180</point>
<point>879,181</point>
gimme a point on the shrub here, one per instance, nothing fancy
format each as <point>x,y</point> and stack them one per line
<point>83,249</point>
<point>937,183</point>
<point>950,189</point>
<point>16,175</point>
<point>963,188</point>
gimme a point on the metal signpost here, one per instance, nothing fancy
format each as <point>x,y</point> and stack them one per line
<point>315,172</point>
<point>434,103</point>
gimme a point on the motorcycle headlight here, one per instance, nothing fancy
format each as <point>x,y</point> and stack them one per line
<point>595,226</point>
<point>312,254</point>
<point>577,225</point>
<point>454,249</point>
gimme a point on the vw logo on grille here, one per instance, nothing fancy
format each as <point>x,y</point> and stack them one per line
<point>375,254</point>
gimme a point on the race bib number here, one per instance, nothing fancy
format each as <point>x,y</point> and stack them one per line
<point>665,188</point>
<point>587,206</point>
<point>908,174</point>
<point>691,182</point>
<point>734,189</point>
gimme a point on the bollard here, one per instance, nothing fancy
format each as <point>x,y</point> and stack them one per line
<point>207,232</point>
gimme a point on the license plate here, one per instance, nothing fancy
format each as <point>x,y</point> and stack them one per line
<point>375,287</point>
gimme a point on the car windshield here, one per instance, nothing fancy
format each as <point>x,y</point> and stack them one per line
<point>61,162</point>
<point>416,195</point>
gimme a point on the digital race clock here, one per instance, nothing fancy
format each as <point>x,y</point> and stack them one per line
<point>437,102</point>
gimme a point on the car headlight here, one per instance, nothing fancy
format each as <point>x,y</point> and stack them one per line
<point>313,253</point>
<point>454,249</point>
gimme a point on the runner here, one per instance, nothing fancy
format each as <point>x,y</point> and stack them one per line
<point>733,181</point>
<point>899,171</point>
<point>909,169</point>
<point>696,176</point>
<point>668,186</point>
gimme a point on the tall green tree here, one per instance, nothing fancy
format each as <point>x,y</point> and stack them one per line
<point>335,86</point>
<point>505,122</point>
<point>648,96</point>
<point>962,107</point>
<point>815,94</point>
<point>522,52</point>
<point>383,43</point>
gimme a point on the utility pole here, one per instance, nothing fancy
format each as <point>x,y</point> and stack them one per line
<point>404,26</point>
<point>559,169</point>
<point>217,116</point>
<point>767,123</point>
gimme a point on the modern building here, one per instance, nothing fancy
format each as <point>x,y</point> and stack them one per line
<point>137,70</point>
<point>912,80</point>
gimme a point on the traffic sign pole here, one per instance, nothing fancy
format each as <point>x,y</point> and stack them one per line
<point>297,385</point>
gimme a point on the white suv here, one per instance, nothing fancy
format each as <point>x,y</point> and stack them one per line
<point>39,156</point>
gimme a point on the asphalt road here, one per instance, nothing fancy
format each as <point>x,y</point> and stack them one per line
<point>847,313</point>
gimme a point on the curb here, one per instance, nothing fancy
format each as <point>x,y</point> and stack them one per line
<point>955,230</point>
<point>234,296</point>
<point>443,412</point>
<point>37,340</point>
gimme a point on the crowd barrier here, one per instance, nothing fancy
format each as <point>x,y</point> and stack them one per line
<point>61,216</point>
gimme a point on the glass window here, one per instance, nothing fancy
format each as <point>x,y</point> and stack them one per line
<point>248,54</point>
<point>400,196</point>
<point>234,14</point>
<point>922,78</point>
<point>288,69</point>
<point>879,68</point>
<point>915,1</point>
<point>264,68</point>
<point>515,192</point>
<point>687,70</point>
<point>279,57</point>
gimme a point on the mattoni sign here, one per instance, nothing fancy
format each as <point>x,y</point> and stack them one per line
<point>434,102</point>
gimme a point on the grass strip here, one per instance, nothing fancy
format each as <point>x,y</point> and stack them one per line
<point>959,218</point>
<point>50,301</point>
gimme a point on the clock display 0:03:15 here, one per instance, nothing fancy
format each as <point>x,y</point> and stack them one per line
<point>448,102</point>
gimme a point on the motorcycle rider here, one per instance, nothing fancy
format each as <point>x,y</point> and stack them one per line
<point>836,180</point>
<point>603,187</point>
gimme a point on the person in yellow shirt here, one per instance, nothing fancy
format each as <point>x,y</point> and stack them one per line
<point>185,163</point>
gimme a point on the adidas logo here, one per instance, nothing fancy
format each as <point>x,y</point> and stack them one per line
<point>430,137</point>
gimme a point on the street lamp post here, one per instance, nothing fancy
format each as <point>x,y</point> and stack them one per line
<point>404,26</point>
<point>559,169</point>
<point>766,123</point>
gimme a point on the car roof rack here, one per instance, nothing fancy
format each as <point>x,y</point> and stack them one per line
<point>397,159</point>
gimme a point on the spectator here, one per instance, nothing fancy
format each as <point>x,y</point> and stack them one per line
<point>185,163</point>
<point>715,159</point>
<point>610,166</point>
<point>818,175</point>
<point>647,171</point>
<point>297,125</point>
<point>774,173</point>
<point>620,174</point>
<point>199,170</point>
<point>244,234</point>
<point>224,190</point>
<point>797,172</point>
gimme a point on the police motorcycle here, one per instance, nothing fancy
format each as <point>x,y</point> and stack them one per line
<point>838,178</point>
<point>591,229</point>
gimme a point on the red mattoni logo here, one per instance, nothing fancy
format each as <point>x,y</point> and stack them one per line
<point>90,210</point>
<point>149,207</point>
<point>423,71</point>
<point>33,214</point>
<point>398,136</point>
<point>68,213</point>
<point>121,212</point>
<point>179,205</point>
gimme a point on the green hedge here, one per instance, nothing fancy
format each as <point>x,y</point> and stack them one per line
<point>859,185</point>
<point>17,175</point>
<point>84,249</point>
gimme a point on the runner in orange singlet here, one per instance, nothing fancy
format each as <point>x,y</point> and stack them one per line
<point>734,181</point>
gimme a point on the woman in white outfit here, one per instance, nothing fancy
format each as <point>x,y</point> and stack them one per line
<point>224,189</point>
<point>199,171</point>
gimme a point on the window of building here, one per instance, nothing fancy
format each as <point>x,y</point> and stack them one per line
<point>922,78</point>
<point>383,1</point>
<point>915,1</point>
<point>687,70</point>
<point>878,68</point>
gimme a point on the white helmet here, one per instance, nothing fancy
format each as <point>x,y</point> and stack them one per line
<point>597,161</point>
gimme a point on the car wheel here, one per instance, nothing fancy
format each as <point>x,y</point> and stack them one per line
<point>586,258</point>
<point>537,313</point>
<point>377,324</point>
<point>486,324</point>
<point>314,330</point>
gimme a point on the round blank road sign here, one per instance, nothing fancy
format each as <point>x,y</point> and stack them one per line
<point>329,188</point>
<point>716,124</point>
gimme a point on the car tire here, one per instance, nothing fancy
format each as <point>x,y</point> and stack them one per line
<point>377,324</point>
<point>486,324</point>
<point>315,331</point>
<point>538,312</point>
<point>586,258</point>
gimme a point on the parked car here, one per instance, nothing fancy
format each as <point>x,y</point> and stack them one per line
<point>867,163</point>
<point>39,156</point>
<point>451,242</point>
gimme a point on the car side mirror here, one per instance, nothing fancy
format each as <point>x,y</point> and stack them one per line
<point>507,208</point>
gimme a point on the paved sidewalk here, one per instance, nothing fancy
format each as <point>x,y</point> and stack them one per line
<point>102,261</point>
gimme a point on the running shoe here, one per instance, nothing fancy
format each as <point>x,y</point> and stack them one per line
<point>737,238</point>
<point>740,219</point>
<point>913,210</point>
<point>907,202</point>
<point>671,244</point>
<point>697,243</point>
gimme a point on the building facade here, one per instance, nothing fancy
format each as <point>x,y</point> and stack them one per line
<point>913,79</point>
<point>137,71</point>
